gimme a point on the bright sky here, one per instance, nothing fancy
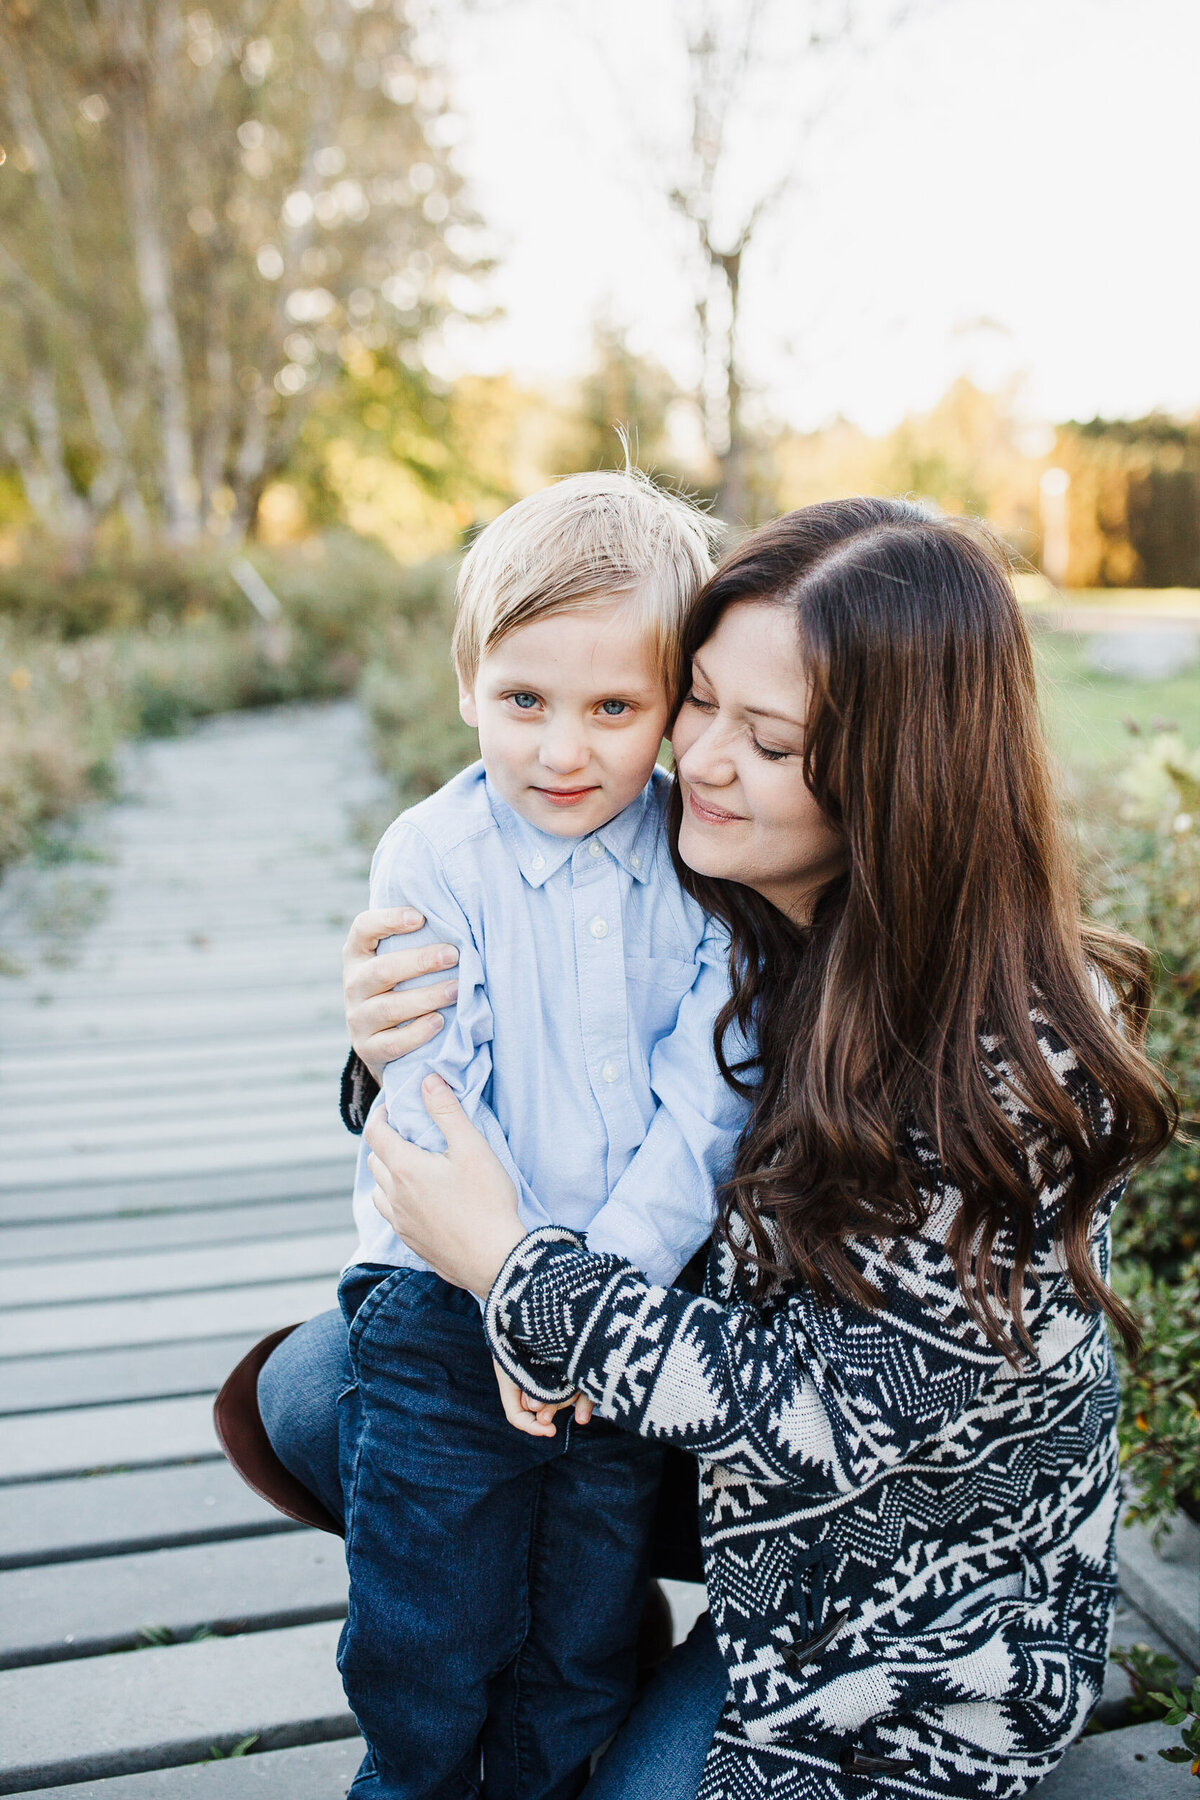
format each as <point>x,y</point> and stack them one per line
<point>1005,187</point>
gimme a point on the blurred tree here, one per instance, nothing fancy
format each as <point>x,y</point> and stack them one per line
<point>973,452</point>
<point>1133,504</point>
<point>206,214</point>
<point>623,393</point>
<point>760,77</point>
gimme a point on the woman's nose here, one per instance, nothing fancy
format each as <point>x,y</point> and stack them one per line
<point>706,760</point>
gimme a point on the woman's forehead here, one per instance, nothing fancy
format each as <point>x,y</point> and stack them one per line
<point>753,658</point>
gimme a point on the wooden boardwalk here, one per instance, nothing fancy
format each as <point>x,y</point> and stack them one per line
<point>174,1182</point>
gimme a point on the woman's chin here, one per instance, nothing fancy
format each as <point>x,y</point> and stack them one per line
<point>703,857</point>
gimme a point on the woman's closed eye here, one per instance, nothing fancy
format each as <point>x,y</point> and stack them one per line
<point>768,754</point>
<point>692,698</point>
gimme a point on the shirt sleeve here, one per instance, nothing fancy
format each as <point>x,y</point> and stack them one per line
<point>407,871</point>
<point>661,1208</point>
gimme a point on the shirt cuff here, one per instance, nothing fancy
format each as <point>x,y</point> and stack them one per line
<point>513,1304</point>
<point>613,1233</point>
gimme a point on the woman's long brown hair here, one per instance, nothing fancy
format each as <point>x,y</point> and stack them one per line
<point>958,913</point>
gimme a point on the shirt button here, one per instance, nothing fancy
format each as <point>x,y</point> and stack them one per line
<point>538,861</point>
<point>596,849</point>
<point>599,928</point>
<point>611,1072</point>
<point>635,861</point>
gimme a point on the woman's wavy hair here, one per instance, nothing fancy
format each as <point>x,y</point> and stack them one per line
<point>958,912</point>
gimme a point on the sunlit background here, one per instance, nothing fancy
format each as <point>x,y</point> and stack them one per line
<point>295,295</point>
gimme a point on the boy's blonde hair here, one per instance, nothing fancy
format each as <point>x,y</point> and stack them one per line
<point>588,538</point>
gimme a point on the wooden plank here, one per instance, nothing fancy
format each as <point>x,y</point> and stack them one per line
<point>65,1280</point>
<point>269,1150</point>
<point>1163,1582</point>
<point>139,1509</point>
<point>68,1722</point>
<point>55,1612</point>
<point>182,1102</point>
<point>143,1198</point>
<point>150,1140</point>
<point>1120,1765</point>
<point>39,1384</point>
<point>313,1772</point>
<point>80,1439</point>
<point>138,1066</point>
<point>30,1025</point>
<point>180,1230</point>
<point>164,1319</point>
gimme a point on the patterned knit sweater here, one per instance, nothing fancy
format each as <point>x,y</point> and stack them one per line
<point>908,1542</point>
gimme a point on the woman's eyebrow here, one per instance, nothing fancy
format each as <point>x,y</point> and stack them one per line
<point>757,712</point>
<point>766,712</point>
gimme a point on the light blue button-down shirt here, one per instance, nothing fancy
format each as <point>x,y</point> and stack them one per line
<point>581,1043</point>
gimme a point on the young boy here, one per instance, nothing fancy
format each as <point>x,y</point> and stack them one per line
<point>496,1576</point>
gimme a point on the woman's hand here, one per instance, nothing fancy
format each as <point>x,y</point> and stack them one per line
<point>457,1210</point>
<point>384,1025</point>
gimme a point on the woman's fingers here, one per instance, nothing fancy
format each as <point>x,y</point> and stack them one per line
<point>367,975</point>
<point>385,1011</point>
<point>442,1105</point>
<point>366,928</point>
<point>390,1046</point>
<point>584,1409</point>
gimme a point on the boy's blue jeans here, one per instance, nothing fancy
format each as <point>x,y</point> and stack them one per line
<point>496,1580</point>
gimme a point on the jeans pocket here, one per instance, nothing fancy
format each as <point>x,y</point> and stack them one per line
<point>361,1292</point>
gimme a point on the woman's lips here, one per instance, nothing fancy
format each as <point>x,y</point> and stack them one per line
<point>564,796</point>
<point>709,815</point>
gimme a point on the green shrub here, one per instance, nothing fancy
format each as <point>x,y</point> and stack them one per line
<point>1142,861</point>
<point>337,592</point>
<point>143,646</point>
<point>410,693</point>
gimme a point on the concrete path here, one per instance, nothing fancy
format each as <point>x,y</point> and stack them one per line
<point>174,1182</point>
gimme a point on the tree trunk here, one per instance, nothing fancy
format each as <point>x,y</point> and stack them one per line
<point>113,474</point>
<point>732,501</point>
<point>181,490</point>
<point>69,511</point>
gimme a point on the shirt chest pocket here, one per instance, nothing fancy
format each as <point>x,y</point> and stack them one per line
<point>655,986</point>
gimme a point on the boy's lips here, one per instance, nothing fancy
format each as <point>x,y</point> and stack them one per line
<point>565,796</point>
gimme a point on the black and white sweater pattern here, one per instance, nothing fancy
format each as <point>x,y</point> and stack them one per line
<point>909,1543</point>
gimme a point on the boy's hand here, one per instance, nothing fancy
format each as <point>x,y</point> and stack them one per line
<point>535,1417</point>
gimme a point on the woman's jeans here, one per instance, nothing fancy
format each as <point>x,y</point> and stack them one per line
<point>495,1579</point>
<point>659,1752</point>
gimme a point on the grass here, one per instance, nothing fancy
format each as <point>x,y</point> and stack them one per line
<point>1036,593</point>
<point>1090,715</point>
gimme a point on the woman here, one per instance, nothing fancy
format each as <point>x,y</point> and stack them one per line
<point>898,1381</point>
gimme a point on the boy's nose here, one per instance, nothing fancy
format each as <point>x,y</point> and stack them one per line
<point>562,751</point>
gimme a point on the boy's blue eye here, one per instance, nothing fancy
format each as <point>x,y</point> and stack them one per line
<point>524,701</point>
<point>612,709</point>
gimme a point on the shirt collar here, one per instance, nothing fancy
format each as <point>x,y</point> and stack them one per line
<point>629,838</point>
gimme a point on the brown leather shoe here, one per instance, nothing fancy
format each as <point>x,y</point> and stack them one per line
<point>243,1437</point>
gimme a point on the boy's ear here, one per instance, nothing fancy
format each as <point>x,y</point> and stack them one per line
<point>467,709</point>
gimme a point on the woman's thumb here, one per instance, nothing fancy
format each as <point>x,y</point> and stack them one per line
<point>442,1105</point>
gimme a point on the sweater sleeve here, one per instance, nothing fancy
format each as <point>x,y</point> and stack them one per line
<point>794,1392</point>
<point>359,1092</point>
